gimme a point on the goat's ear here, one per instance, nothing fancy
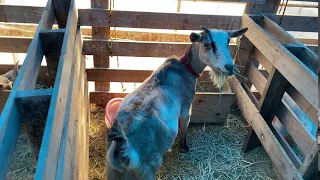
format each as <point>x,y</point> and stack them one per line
<point>237,33</point>
<point>194,37</point>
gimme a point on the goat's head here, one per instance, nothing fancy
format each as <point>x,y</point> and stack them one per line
<point>214,48</point>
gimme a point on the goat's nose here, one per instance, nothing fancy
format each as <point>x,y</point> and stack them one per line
<point>229,67</point>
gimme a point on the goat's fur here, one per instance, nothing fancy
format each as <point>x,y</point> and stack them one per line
<point>7,79</point>
<point>148,119</point>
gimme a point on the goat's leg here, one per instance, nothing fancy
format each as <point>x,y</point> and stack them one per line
<point>184,123</point>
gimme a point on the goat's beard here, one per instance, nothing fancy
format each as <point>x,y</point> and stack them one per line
<point>217,77</point>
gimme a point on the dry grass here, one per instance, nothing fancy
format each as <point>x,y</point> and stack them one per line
<point>23,165</point>
<point>215,153</point>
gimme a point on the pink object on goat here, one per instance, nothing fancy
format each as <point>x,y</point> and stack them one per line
<point>111,111</point>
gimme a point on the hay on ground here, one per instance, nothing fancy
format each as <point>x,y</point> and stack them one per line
<point>215,153</point>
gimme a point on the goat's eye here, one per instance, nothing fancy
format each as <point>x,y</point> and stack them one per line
<point>206,45</point>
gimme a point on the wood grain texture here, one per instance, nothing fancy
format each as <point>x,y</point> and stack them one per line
<point>119,48</point>
<point>269,102</point>
<point>49,152</point>
<point>52,42</point>
<point>205,105</point>
<point>61,10</point>
<point>10,121</point>
<point>289,66</point>
<point>286,116</point>
<point>281,162</point>
<point>64,169</point>
<point>101,59</point>
<point>296,23</point>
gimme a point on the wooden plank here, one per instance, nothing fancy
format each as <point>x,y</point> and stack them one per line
<point>285,114</point>
<point>116,75</point>
<point>52,42</point>
<point>308,57</point>
<point>49,153</point>
<point>309,41</point>
<point>156,20</point>
<point>296,23</point>
<point>123,75</point>
<point>20,14</point>
<point>256,78</point>
<point>309,166</point>
<point>64,163</point>
<point>303,104</point>
<point>10,121</point>
<point>100,18</point>
<point>268,104</point>
<point>281,162</point>
<point>101,59</point>
<point>119,48</point>
<point>287,148</point>
<point>61,9</point>
<point>139,49</point>
<point>293,93</point>
<point>288,118</point>
<point>14,44</point>
<point>289,65</point>
<point>204,106</point>
<point>262,60</point>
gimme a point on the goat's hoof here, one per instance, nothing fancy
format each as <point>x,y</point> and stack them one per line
<point>184,149</point>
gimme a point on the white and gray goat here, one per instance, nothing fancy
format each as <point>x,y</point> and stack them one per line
<point>149,118</point>
<point>7,79</point>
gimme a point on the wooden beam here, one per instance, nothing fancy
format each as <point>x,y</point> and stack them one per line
<point>281,162</point>
<point>139,49</point>
<point>296,23</point>
<point>203,111</point>
<point>49,153</point>
<point>123,75</point>
<point>10,121</point>
<point>300,135</point>
<point>119,48</point>
<point>52,42</point>
<point>155,20</point>
<point>100,18</point>
<point>64,169</point>
<point>256,78</point>
<point>286,116</point>
<point>101,59</point>
<point>61,9</point>
<point>293,93</point>
<point>268,105</point>
<point>308,57</point>
<point>288,65</point>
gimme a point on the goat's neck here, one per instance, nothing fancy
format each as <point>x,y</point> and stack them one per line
<point>193,58</point>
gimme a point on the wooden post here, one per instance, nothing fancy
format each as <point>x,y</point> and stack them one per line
<point>101,60</point>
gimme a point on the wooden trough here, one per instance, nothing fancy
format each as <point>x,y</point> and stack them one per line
<point>290,73</point>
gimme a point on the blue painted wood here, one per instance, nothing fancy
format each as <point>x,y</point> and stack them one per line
<point>49,152</point>
<point>10,122</point>
<point>71,115</point>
